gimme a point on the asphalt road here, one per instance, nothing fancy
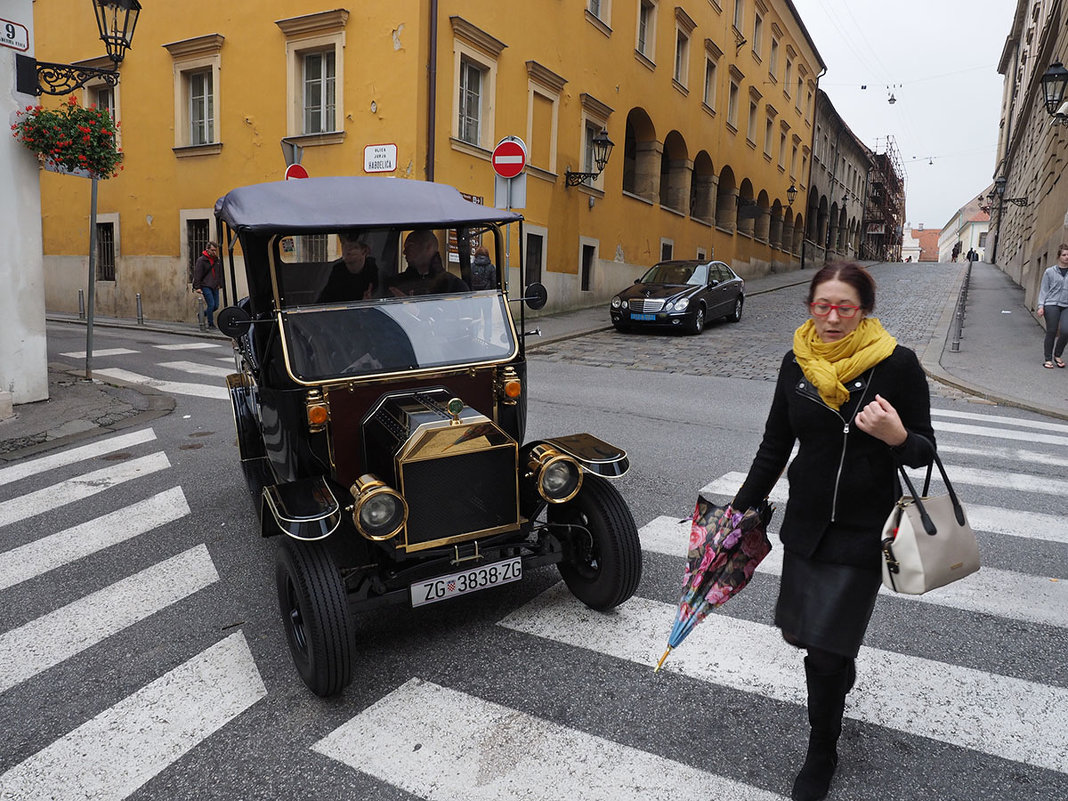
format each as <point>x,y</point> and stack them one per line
<point>142,656</point>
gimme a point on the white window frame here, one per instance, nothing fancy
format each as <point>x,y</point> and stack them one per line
<point>682,57</point>
<point>773,58</point>
<point>545,83</point>
<point>306,35</point>
<point>199,55</point>
<point>671,244</point>
<point>733,95</point>
<point>92,89</point>
<point>739,15</point>
<point>645,38</point>
<point>758,35</point>
<point>543,232</point>
<point>473,45</point>
<point>595,116</point>
<point>327,91</point>
<point>769,133</point>
<point>751,122</point>
<point>112,218</point>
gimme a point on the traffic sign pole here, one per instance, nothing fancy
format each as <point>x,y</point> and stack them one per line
<point>509,160</point>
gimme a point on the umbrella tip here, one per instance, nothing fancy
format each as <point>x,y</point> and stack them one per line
<point>661,662</point>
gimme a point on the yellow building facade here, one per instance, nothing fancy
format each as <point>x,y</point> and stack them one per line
<point>709,104</point>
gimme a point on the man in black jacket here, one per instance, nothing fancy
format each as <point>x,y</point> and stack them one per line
<point>206,280</point>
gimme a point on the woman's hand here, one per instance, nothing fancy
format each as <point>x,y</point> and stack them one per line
<point>1041,311</point>
<point>881,420</point>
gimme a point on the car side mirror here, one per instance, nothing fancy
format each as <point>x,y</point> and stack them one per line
<point>234,322</point>
<point>637,280</point>
<point>536,296</point>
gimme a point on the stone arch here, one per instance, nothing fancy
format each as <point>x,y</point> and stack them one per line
<point>675,173</point>
<point>746,208</point>
<point>641,156</point>
<point>703,189</point>
<point>762,222</point>
<point>799,233</point>
<point>775,230</point>
<point>727,201</point>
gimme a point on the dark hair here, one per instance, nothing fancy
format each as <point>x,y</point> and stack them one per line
<point>848,272</point>
<point>1061,247</point>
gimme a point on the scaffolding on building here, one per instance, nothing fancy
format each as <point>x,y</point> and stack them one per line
<point>884,207</point>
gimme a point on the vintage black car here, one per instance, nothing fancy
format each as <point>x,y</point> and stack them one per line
<point>382,434</point>
<point>680,294</point>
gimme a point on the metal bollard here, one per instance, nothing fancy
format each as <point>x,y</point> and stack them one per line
<point>140,311</point>
<point>81,304</point>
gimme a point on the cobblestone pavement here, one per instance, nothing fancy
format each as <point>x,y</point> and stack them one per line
<point>910,300</point>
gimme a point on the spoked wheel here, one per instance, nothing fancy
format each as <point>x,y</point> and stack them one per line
<point>316,616</point>
<point>736,315</point>
<point>697,325</point>
<point>603,557</point>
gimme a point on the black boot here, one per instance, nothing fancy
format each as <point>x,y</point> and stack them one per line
<point>826,703</point>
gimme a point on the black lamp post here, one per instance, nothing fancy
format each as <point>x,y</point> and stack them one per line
<point>1054,82</point>
<point>602,150</point>
<point>791,195</point>
<point>115,20</point>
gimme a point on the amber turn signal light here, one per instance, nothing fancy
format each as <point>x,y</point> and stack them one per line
<point>513,388</point>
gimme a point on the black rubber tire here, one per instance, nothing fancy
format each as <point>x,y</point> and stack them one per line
<point>621,328</point>
<point>315,615</point>
<point>736,315</point>
<point>697,324</point>
<point>603,567</point>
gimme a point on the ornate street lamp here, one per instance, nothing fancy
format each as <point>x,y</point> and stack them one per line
<point>791,195</point>
<point>602,150</point>
<point>1054,82</point>
<point>115,20</point>
<point>999,188</point>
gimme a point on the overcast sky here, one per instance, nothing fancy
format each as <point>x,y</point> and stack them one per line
<point>939,59</point>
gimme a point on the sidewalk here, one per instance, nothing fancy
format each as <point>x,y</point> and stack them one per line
<point>999,359</point>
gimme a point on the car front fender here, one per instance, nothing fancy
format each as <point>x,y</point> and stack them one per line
<point>593,454</point>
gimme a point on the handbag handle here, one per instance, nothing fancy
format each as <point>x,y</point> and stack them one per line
<point>958,510</point>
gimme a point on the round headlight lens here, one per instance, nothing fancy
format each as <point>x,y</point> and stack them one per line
<point>625,304</point>
<point>560,480</point>
<point>380,511</point>
<point>681,304</point>
<point>615,302</point>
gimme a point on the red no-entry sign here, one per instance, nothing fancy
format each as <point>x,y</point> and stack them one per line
<point>509,157</point>
<point>295,171</point>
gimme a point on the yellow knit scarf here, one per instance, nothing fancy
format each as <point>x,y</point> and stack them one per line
<point>828,365</point>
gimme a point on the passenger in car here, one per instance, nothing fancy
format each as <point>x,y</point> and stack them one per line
<point>425,275</point>
<point>355,275</point>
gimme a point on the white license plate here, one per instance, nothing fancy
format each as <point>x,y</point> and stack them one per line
<point>466,581</point>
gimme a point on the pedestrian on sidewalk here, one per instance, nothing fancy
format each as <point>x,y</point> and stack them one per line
<point>206,280</point>
<point>853,400</point>
<point>972,255</point>
<point>1052,301</point>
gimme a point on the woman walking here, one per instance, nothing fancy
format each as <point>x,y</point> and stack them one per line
<point>1052,301</point>
<point>853,400</point>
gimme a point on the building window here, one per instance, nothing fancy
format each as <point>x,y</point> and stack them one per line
<point>797,97</point>
<point>534,256</point>
<point>595,7</point>
<point>589,255</point>
<point>787,77</point>
<point>197,233</point>
<point>646,28</point>
<point>315,76</point>
<point>710,83</point>
<point>793,160</point>
<point>982,239</point>
<point>319,81</point>
<point>201,108</point>
<point>773,58</point>
<point>758,34</point>
<point>667,248</point>
<point>682,56</point>
<point>732,105</point>
<point>782,150</point>
<point>105,251</point>
<point>470,101</point>
<point>196,92</point>
<point>543,112</point>
<point>739,12</point>
<point>750,131</point>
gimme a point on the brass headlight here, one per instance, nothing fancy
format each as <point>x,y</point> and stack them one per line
<point>380,511</point>
<point>557,476</point>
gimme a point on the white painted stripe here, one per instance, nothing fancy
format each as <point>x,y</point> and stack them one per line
<point>198,369</point>
<point>80,354</point>
<point>112,755</point>
<point>1000,593</point>
<point>1022,482</point>
<point>441,745</point>
<point>999,715</point>
<point>83,453</point>
<point>1026,455</point>
<point>1041,425</point>
<point>173,387</point>
<point>48,640</point>
<point>999,433</point>
<point>75,489</point>
<point>40,556</point>
<point>189,346</point>
<point>996,520</point>
<point>507,159</point>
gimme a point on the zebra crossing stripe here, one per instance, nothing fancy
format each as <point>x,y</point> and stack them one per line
<point>199,369</point>
<point>172,387</point>
<point>80,354</point>
<point>996,520</point>
<point>998,715</point>
<point>1001,593</point>
<point>32,467</point>
<point>75,489</point>
<point>110,756</point>
<point>40,556</point>
<point>1041,425</point>
<point>48,640</point>
<point>999,433</point>
<point>440,744</point>
<point>189,346</point>
<point>1013,454</point>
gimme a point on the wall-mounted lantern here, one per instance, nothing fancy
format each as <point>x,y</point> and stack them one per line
<point>999,190</point>
<point>791,195</point>
<point>602,150</point>
<point>1054,82</point>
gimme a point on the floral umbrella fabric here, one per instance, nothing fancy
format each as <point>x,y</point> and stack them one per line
<point>725,548</point>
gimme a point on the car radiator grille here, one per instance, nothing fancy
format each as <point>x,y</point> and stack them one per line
<point>458,495</point>
<point>646,305</point>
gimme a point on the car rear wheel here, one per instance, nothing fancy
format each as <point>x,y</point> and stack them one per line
<point>316,616</point>
<point>697,323</point>
<point>603,557</point>
<point>736,315</point>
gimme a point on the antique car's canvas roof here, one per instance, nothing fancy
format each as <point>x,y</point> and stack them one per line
<point>340,202</point>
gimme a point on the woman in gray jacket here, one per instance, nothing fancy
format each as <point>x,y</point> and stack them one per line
<point>1052,302</point>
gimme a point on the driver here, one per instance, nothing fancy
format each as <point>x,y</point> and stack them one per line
<point>355,275</point>
<point>425,275</point>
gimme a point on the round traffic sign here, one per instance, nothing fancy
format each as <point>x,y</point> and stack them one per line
<point>296,171</point>
<point>509,157</point>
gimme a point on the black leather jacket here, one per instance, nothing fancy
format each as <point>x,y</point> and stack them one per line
<point>843,482</point>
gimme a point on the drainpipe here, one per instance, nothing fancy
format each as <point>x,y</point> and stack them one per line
<point>432,91</point>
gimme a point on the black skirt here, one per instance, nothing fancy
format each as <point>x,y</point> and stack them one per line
<point>824,605</point>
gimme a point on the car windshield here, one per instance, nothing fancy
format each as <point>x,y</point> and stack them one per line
<point>677,272</point>
<point>378,337</point>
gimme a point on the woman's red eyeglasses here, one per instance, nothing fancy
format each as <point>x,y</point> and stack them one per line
<point>844,310</point>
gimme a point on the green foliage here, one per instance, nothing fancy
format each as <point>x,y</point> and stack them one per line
<point>71,137</point>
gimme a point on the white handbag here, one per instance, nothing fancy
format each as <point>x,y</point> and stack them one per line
<point>927,542</point>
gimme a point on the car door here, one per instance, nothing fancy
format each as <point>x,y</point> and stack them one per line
<point>721,298</point>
